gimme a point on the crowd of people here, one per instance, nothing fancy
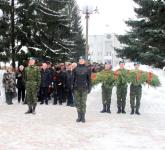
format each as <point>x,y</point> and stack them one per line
<point>55,83</point>
<point>63,83</point>
<point>67,83</point>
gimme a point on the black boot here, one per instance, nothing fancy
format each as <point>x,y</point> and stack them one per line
<point>25,103</point>
<point>132,111</point>
<point>33,109</point>
<point>79,117</point>
<point>55,103</point>
<point>123,110</point>
<point>29,110</point>
<point>137,112</point>
<point>104,108</point>
<point>108,108</point>
<point>83,117</point>
<point>46,102</point>
<point>42,102</point>
<point>119,110</point>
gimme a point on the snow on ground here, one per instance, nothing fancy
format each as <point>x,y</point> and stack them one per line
<point>54,127</point>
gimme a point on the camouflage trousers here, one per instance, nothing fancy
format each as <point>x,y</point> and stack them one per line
<point>121,95</point>
<point>31,93</point>
<point>135,94</point>
<point>106,95</point>
<point>80,100</point>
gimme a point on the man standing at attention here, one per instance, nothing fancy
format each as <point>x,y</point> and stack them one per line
<point>32,81</point>
<point>107,89</point>
<point>136,90</point>
<point>121,81</point>
<point>81,87</point>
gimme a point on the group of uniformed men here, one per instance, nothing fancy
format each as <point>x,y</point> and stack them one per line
<point>121,84</point>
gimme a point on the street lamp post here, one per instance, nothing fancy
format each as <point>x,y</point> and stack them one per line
<point>87,44</point>
<point>88,10</point>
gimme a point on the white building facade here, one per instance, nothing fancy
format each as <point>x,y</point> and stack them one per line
<point>102,48</point>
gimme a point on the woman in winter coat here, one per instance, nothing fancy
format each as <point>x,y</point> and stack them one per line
<point>20,76</point>
<point>9,85</point>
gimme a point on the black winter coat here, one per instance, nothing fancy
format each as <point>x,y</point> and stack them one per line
<point>59,79</point>
<point>20,76</point>
<point>46,78</point>
<point>82,78</point>
<point>69,80</point>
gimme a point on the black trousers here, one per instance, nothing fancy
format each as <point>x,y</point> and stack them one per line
<point>58,95</point>
<point>21,94</point>
<point>44,93</point>
<point>69,97</point>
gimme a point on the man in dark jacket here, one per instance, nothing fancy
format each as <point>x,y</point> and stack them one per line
<point>69,85</point>
<point>59,84</point>
<point>46,80</point>
<point>63,78</point>
<point>51,70</point>
<point>82,86</point>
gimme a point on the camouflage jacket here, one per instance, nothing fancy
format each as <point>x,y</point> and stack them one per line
<point>121,76</point>
<point>108,75</point>
<point>32,75</point>
<point>9,82</point>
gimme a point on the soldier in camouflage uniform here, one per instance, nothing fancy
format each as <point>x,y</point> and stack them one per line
<point>81,87</point>
<point>32,81</point>
<point>136,91</point>
<point>121,92</point>
<point>107,91</point>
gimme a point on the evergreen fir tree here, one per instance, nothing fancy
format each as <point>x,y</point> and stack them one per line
<point>76,30</point>
<point>56,35</point>
<point>5,40</point>
<point>45,27</point>
<point>145,41</point>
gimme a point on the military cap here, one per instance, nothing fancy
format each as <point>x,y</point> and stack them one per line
<point>121,62</point>
<point>136,63</point>
<point>32,58</point>
<point>81,57</point>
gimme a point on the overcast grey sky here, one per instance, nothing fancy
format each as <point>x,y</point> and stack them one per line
<point>111,16</point>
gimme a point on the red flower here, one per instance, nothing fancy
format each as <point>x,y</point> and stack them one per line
<point>93,76</point>
<point>116,73</point>
<point>150,76</point>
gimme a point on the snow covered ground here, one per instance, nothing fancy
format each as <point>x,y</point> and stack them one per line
<point>54,127</point>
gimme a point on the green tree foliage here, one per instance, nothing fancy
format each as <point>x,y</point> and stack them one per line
<point>145,41</point>
<point>44,27</point>
<point>78,48</point>
<point>4,30</point>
